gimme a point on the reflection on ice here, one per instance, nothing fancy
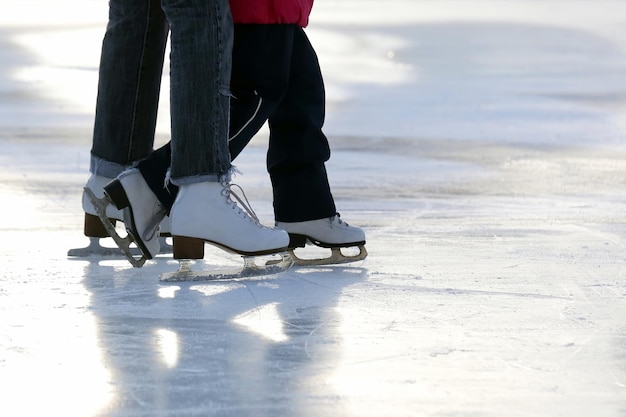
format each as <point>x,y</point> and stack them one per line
<point>263,320</point>
<point>52,361</point>
<point>213,289</point>
<point>167,345</point>
<point>168,291</point>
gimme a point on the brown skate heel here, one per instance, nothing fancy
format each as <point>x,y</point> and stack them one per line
<point>94,228</point>
<point>188,247</point>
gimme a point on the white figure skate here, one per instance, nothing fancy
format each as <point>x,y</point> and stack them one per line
<point>331,233</point>
<point>93,227</point>
<point>210,212</point>
<point>142,213</point>
<point>101,217</point>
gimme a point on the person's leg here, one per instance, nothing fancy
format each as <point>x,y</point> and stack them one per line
<point>198,120</point>
<point>201,56</point>
<point>303,203</point>
<point>131,66</point>
<point>298,148</point>
<point>200,128</point>
<point>201,45</point>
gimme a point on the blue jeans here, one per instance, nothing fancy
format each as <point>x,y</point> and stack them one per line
<point>129,83</point>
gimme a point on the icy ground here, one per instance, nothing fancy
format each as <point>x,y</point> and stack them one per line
<point>480,145</point>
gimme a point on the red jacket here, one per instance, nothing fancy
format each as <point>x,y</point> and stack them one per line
<point>271,11</point>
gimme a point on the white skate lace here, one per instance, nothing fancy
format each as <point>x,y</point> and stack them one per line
<point>167,180</point>
<point>238,202</point>
<point>338,219</point>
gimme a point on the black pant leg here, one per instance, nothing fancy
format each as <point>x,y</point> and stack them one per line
<point>298,148</point>
<point>154,171</point>
<point>260,75</point>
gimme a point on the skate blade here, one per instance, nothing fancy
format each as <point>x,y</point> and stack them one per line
<point>123,243</point>
<point>336,257</point>
<point>250,269</point>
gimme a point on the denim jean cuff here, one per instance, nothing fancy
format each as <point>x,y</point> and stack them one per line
<point>104,168</point>
<point>197,178</point>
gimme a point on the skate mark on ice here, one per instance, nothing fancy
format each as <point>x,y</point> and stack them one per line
<point>453,291</point>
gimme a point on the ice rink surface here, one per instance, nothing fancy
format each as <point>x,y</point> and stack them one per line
<point>479,143</point>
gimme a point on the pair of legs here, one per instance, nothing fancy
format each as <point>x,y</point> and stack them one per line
<point>130,76</point>
<point>275,78</point>
<point>129,83</point>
